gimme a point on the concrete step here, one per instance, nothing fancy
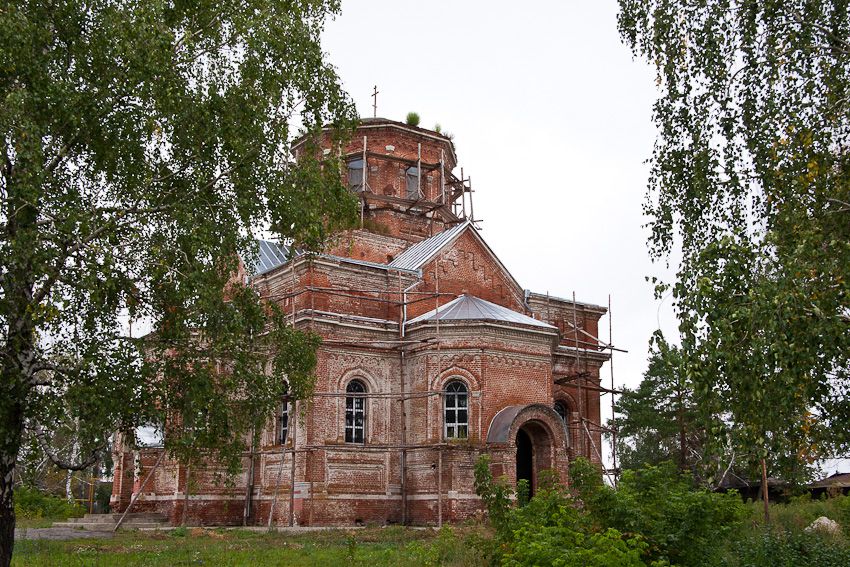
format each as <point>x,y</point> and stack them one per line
<point>102,526</point>
<point>94,526</point>
<point>112,518</point>
<point>106,522</point>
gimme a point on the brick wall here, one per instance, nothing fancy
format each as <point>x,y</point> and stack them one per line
<point>406,470</point>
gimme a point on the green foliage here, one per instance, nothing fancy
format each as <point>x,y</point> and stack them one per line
<point>437,128</point>
<point>658,421</point>
<point>103,495</point>
<point>680,523</point>
<point>548,529</point>
<point>796,515</point>
<point>31,503</point>
<point>412,119</point>
<point>523,492</point>
<point>785,541</point>
<point>495,494</point>
<point>750,177</point>
<point>388,546</point>
<point>144,144</point>
<point>563,546</point>
<point>449,549</point>
<point>783,549</point>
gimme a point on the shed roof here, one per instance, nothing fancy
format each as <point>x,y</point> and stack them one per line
<point>838,479</point>
<point>469,307</point>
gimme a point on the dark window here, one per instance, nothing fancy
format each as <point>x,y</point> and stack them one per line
<point>412,176</point>
<point>355,412</point>
<point>456,411</point>
<point>355,174</point>
<point>283,421</point>
<point>561,410</point>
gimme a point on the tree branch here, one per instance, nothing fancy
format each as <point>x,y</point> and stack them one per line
<point>92,458</point>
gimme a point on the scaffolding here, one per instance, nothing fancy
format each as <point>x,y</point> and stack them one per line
<point>583,344</point>
<point>450,201</point>
<point>453,201</point>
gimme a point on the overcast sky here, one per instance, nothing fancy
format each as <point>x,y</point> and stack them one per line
<point>551,119</point>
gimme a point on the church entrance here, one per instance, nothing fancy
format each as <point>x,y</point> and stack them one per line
<point>533,453</point>
<point>525,460</point>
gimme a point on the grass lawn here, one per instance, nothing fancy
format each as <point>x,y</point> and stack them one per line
<point>370,546</point>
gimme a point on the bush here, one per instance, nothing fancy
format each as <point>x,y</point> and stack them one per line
<point>769,548</point>
<point>551,530</point>
<point>31,503</point>
<point>563,546</point>
<point>680,523</point>
<point>801,511</point>
<point>495,494</point>
<point>412,119</point>
<point>548,529</point>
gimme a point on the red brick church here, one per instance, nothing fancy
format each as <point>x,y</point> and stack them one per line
<point>433,355</point>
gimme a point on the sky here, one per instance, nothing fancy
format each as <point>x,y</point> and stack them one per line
<point>552,120</point>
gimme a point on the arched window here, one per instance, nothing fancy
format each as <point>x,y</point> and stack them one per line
<point>561,410</point>
<point>456,410</point>
<point>355,174</point>
<point>355,412</point>
<point>412,176</point>
<point>283,421</point>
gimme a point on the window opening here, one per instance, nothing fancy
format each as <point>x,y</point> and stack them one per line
<point>355,175</point>
<point>561,410</point>
<point>355,412</point>
<point>456,410</point>
<point>283,421</point>
<point>412,175</point>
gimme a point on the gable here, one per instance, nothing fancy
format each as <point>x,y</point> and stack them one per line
<point>466,265</point>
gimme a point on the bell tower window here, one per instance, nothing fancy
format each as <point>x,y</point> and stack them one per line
<point>413,189</point>
<point>355,175</point>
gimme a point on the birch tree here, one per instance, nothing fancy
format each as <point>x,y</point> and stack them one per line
<point>143,142</point>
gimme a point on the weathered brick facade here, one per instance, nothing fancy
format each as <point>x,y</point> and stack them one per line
<point>376,298</point>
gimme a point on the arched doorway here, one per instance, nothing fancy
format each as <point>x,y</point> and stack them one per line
<point>533,453</point>
<point>525,460</point>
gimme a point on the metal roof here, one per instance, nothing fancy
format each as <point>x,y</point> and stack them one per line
<point>376,265</point>
<point>469,307</point>
<point>417,255</point>
<point>270,256</point>
<point>501,424</point>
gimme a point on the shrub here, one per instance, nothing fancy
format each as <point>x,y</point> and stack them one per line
<point>495,494</point>
<point>31,503</point>
<point>180,531</point>
<point>548,529</point>
<point>801,511</point>
<point>564,546</point>
<point>770,548</point>
<point>680,523</point>
<point>412,119</point>
<point>551,530</point>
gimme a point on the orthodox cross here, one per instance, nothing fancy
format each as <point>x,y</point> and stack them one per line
<point>375,102</point>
